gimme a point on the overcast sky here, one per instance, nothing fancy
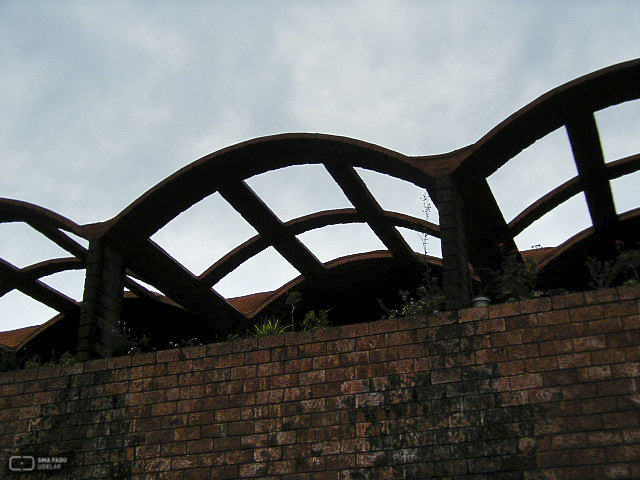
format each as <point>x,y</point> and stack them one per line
<point>100,101</point>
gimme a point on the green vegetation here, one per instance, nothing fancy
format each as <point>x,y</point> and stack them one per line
<point>624,269</point>
<point>271,326</point>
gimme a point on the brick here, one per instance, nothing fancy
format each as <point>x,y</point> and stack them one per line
<point>354,358</point>
<point>583,314</point>
<point>545,394</point>
<point>473,314</point>
<point>621,308</point>
<point>143,359</point>
<point>504,309</point>
<point>564,377</point>
<point>400,338</point>
<point>522,351</point>
<point>269,369</point>
<point>298,365</point>
<point>556,346</point>
<point>506,399</point>
<point>606,325</point>
<point>623,453</point>
<point>182,366</point>
<point>535,305</point>
<point>327,361</point>
<point>491,325</point>
<point>621,386</point>
<point>631,322</point>
<point>589,343</point>
<point>553,317</point>
<point>383,326</point>
<point>269,396</point>
<point>607,356</point>
<point>574,360</point>
<point>492,355</point>
<point>283,381</point>
<point>355,386</point>
<point>164,408</point>
<point>243,372</point>
<point>601,295</point>
<point>541,364</point>
<point>529,380</point>
<point>446,375</point>
<point>594,373</point>
<point>523,321</point>
<point>312,376</point>
<point>507,338</point>
<point>574,300</point>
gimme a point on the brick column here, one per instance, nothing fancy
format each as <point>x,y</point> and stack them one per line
<point>99,329</point>
<point>456,281</point>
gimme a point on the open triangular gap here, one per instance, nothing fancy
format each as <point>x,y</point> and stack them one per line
<point>334,241</point>
<point>143,284</point>
<point>416,242</point>
<point>626,192</point>
<point>619,129</point>
<point>68,282</point>
<point>22,245</point>
<point>18,310</point>
<point>298,190</point>
<point>396,195</point>
<point>266,271</point>
<point>557,226</point>
<point>532,173</point>
<point>82,241</point>
<point>204,233</point>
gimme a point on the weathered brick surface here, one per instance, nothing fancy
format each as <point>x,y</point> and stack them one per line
<point>540,389</point>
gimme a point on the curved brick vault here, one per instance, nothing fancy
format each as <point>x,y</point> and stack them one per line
<point>471,223</point>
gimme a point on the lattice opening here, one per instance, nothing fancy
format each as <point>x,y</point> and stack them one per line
<point>68,282</point>
<point>22,246</point>
<point>396,195</point>
<point>263,272</point>
<point>298,190</point>
<point>557,226</point>
<point>204,233</point>
<point>82,241</point>
<point>143,284</point>
<point>414,239</point>
<point>18,310</point>
<point>626,192</point>
<point>532,173</point>
<point>619,128</point>
<point>334,241</point>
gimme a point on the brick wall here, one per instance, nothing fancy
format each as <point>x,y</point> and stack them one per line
<point>541,389</point>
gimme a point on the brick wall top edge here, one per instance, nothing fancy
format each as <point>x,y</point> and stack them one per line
<point>536,305</point>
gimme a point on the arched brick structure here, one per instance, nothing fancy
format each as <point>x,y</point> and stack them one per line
<point>471,223</point>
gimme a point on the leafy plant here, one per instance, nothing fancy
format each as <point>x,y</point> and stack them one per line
<point>622,270</point>
<point>516,279</point>
<point>33,361</point>
<point>429,296</point>
<point>271,326</point>
<point>315,320</point>
<point>189,342</point>
<point>36,360</point>
<point>67,358</point>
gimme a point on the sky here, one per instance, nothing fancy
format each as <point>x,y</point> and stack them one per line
<point>100,101</point>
